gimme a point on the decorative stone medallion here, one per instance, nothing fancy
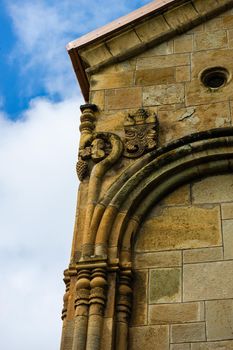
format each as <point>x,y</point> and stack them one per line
<point>141,133</point>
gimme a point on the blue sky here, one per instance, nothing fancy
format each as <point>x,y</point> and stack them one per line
<point>35,33</point>
<point>39,113</point>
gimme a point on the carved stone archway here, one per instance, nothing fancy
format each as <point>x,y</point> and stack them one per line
<point>104,270</point>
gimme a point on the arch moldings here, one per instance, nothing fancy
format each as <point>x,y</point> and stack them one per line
<point>117,217</point>
<point>122,208</point>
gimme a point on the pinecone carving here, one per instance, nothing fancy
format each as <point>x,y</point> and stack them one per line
<point>82,169</point>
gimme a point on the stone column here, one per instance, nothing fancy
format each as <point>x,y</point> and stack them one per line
<point>97,306</point>
<point>66,279</point>
<point>81,310</point>
<point>123,309</point>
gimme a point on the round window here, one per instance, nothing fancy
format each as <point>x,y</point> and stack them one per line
<point>215,78</point>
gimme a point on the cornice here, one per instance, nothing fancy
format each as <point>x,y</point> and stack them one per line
<point>139,31</point>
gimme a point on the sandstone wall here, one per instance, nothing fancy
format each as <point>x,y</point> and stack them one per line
<point>166,79</point>
<point>183,255</point>
<point>183,261</point>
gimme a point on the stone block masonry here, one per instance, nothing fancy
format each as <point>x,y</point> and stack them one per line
<point>152,256</point>
<point>187,282</point>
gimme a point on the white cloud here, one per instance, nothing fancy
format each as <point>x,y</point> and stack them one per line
<point>38,193</point>
<point>43,29</point>
<point>37,179</point>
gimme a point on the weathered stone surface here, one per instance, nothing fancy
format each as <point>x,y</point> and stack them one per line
<point>213,189</point>
<point>183,74</point>
<point>152,28</point>
<point>184,346</point>
<point>111,121</point>
<point>111,80</point>
<point>199,28</point>
<point>220,345</point>
<point>188,332</point>
<point>214,58</point>
<point>111,298</point>
<point>204,41</point>
<point>165,48</point>
<point>202,255</point>
<point>181,227</point>
<point>208,281</point>
<point>219,319</point>
<point>118,44</point>
<point>181,15</point>
<point>140,288</point>
<point>228,238</point>
<point>192,119</point>
<point>165,285</point>
<point>184,43</point>
<point>175,313</point>
<point>155,76</point>
<point>125,66</point>
<point>214,24</point>
<point>97,98</point>
<point>195,90</point>
<point>159,259</point>
<point>230,38</point>
<point>227,210</point>
<point>163,61</point>
<point>108,339</point>
<point>124,98</point>
<point>69,332</point>
<point>147,337</point>
<point>95,54</point>
<point>227,21</point>
<point>78,228</point>
<point>163,94</point>
<point>204,6</point>
<point>180,196</point>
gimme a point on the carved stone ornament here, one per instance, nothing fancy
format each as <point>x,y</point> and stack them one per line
<point>95,146</point>
<point>97,149</point>
<point>141,133</point>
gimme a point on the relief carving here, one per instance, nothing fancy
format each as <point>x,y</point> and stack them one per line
<point>141,133</point>
<point>93,146</point>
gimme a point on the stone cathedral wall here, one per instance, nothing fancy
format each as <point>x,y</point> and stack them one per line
<point>183,252</point>
<point>183,263</point>
<point>166,80</point>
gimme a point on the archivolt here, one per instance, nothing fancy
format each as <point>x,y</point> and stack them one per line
<point>118,214</point>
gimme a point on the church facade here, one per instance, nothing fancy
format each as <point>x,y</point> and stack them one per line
<point>152,256</point>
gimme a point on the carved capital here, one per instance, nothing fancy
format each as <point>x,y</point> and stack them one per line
<point>82,292</point>
<point>99,286</point>
<point>141,133</point>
